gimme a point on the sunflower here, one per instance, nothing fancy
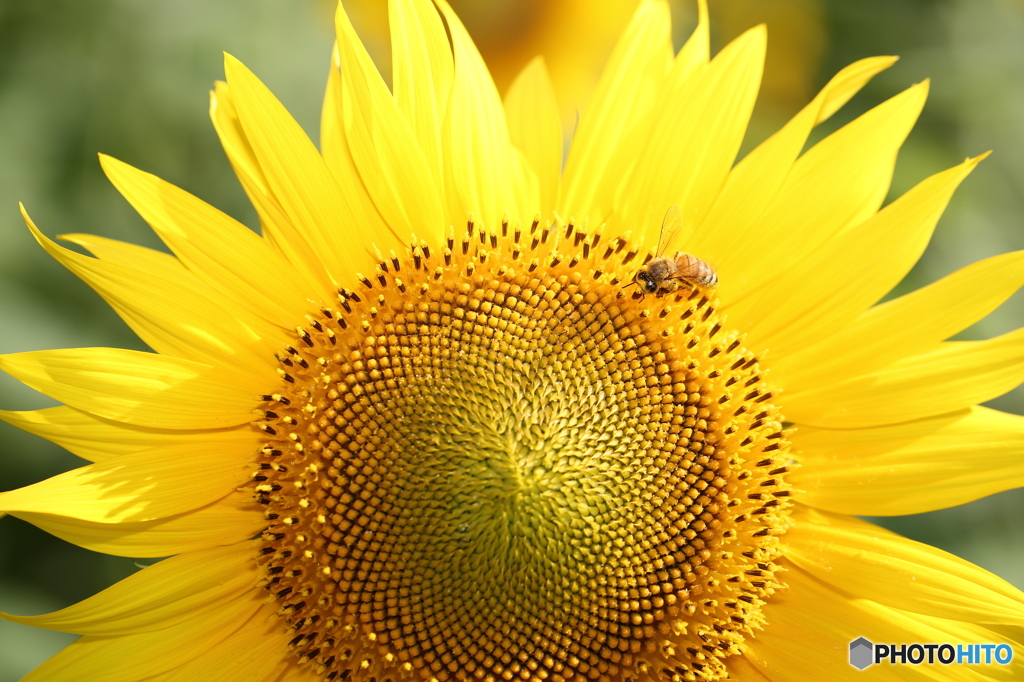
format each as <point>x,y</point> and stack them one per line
<point>456,414</point>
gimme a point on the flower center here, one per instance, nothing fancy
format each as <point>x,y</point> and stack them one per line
<point>496,462</point>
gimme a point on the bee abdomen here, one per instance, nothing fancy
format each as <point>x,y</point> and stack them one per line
<point>709,280</point>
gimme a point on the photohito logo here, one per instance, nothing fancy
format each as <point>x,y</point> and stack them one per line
<point>863,653</point>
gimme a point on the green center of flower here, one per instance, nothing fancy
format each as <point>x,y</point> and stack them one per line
<point>502,465</point>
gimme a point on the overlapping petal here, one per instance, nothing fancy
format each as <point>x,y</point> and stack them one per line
<point>277,227</point>
<point>822,293</point>
<point>234,519</point>
<point>812,625</point>
<point>160,596</point>
<point>535,128</point>
<point>91,437</point>
<point>836,185</point>
<point>138,656</point>
<point>616,118</point>
<point>869,562</point>
<point>299,179</point>
<point>693,136</point>
<point>912,467</point>
<point>904,326</point>
<point>755,181</point>
<point>221,252</point>
<point>145,485</point>
<point>949,376</point>
<point>131,255</point>
<point>423,71</point>
<point>143,389</point>
<point>169,308</point>
<point>384,148</point>
<point>477,155</point>
<point>256,651</point>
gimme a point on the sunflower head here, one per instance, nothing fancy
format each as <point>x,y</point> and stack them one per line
<point>491,459</point>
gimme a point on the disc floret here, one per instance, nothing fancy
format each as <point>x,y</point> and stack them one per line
<point>492,461</point>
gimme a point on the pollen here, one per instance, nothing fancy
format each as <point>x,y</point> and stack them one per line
<point>494,460</point>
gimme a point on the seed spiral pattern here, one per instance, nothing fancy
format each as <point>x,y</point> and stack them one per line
<point>494,462</point>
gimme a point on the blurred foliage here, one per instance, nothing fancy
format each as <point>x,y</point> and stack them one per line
<point>130,79</point>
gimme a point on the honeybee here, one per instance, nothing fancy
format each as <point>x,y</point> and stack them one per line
<point>663,275</point>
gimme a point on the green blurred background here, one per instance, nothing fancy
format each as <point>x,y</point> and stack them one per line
<point>130,79</point>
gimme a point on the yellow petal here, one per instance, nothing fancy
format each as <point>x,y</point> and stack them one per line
<point>129,276</point>
<point>904,326</point>
<point>525,185</point>
<point>338,157</point>
<point>477,177</point>
<point>810,627</point>
<point>836,185</point>
<point>236,145</point>
<point>810,630</point>
<point>742,670</point>
<point>697,49</point>
<point>932,629</point>
<point>123,253</point>
<point>145,485</point>
<point>277,227</point>
<point>868,148</point>
<point>144,389</point>
<point>298,177</point>
<point>952,376</point>
<point>94,438</point>
<point>159,596</point>
<point>333,145</point>
<point>294,672</point>
<point>255,652</point>
<point>756,180</point>
<point>604,144</point>
<point>422,74</point>
<point>912,467</point>
<point>234,519</point>
<point>173,316</point>
<point>848,83</point>
<point>694,136</point>
<point>226,255</point>
<point>535,128</point>
<point>687,69</point>
<point>869,562</point>
<point>142,655</point>
<point>383,146</point>
<point>833,285</point>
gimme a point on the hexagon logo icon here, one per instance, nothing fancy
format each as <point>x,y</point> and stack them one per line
<point>861,653</point>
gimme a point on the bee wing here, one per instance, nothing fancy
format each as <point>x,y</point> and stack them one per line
<point>671,226</point>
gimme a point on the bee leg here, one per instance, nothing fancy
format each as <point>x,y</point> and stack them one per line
<point>682,282</point>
